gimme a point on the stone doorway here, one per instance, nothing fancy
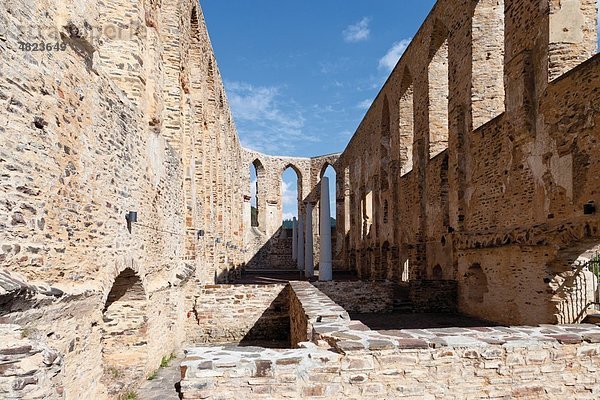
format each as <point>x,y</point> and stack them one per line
<point>124,334</point>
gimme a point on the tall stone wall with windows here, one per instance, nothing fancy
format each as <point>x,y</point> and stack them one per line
<point>129,114</point>
<point>477,157</point>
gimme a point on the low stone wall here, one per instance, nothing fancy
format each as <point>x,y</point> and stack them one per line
<point>348,360</point>
<point>238,313</point>
<point>434,296</point>
<point>309,307</point>
<point>361,296</point>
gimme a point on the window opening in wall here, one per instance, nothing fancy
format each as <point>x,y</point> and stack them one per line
<point>487,89</point>
<point>290,197</point>
<point>256,177</point>
<point>385,146</point>
<point>405,271</point>
<point>406,125</point>
<point>438,90</point>
<point>367,213</point>
<point>330,173</point>
<point>437,272</point>
<point>573,34</point>
<point>386,210</point>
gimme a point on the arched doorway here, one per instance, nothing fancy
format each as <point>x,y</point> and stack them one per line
<point>577,287</point>
<point>124,333</point>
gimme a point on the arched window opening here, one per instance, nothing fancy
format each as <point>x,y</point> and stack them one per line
<point>291,192</point>
<point>329,172</point>
<point>487,90</point>
<point>386,211</point>
<point>347,201</point>
<point>573,34</point>
<point>438,90</point>
<point>405,275</point>
<point>437,272</point>
<point>406,125</point>
<point>385,146</point>
<point>257,214</point>
<point>578,285</point>
<point>367,213</point>
<point>124,331</point>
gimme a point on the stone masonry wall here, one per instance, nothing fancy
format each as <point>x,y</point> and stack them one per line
<point>433,296</point>
<point>360,296</point>
<point>345,359</point>
<point>238,313</point>
<point>27,365</point>
<point>479,153</point>
<point>130,115</point>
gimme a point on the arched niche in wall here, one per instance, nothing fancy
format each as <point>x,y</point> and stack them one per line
<point>438,89</point>
<point>487,80</point>
<point>576,285</point>
<point>385,145</point>
<point>257,195</point>
<point>406,123</point>
<point>477,283</point>
<point>124,333</point>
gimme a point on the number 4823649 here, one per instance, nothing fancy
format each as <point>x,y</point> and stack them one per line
<point>26,46</point>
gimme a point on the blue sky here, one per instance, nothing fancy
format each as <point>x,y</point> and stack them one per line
<point>300,75</point>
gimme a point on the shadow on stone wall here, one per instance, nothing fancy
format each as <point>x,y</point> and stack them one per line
<point>272,329</point>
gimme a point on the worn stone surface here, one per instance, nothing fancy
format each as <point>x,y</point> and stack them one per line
<point>130,116</point>
<point>471,169</point>
<point>548,361</point>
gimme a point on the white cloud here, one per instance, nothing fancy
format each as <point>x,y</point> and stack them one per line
<point>266,120</point>
<point>365,104</point>
<point>389,61</point>
<point>358,32</point>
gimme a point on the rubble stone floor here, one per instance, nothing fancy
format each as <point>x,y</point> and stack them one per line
<point>163,386</point>
<point>389,322</point>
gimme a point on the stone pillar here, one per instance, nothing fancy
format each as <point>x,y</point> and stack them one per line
<point>295,239</point>
<point>325,262</point>
<point>300,242</point>
<point>309,262</point>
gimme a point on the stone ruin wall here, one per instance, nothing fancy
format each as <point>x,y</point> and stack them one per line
<point>488,185</point>
<point>482,179</point>
<point>131,116</point>
<point>265,247</point>
<point>334,357</point>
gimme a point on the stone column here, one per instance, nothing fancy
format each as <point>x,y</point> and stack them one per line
<point>309,262</point>
<point>300,242</point>
<point>325,262</point>
<point>295,239</point>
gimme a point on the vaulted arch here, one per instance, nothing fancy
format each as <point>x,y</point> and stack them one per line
<point>124,333</point>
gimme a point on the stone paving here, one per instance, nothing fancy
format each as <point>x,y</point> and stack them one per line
<point>164,385</point>
<point>345,358</point>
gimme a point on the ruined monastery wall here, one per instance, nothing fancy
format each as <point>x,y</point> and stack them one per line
<point>476,159</point>
<point>130,116</point>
